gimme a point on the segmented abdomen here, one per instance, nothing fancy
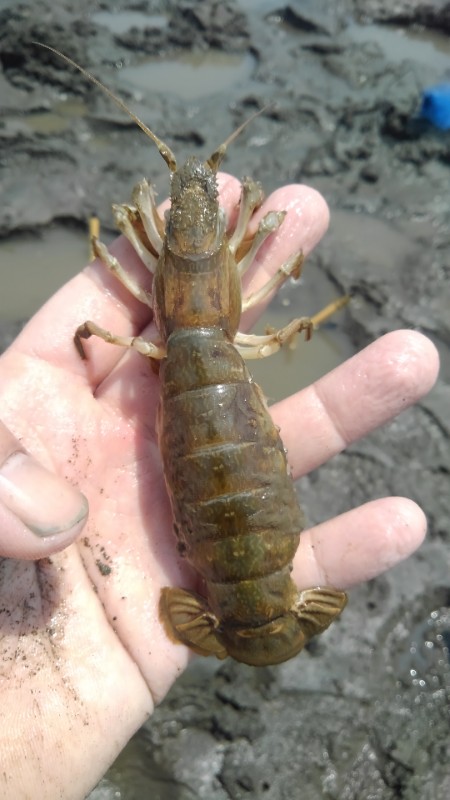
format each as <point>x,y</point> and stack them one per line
<point>236,513</point>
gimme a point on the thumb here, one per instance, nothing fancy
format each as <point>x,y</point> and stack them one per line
<point>40,513</point>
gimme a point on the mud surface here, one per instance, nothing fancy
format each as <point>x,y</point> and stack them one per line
<point>364,712</point>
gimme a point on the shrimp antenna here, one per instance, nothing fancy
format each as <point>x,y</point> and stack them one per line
<point>215,160</point>
<point>163,148</point>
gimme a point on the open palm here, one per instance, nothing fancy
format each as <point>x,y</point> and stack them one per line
<point>84,657</point>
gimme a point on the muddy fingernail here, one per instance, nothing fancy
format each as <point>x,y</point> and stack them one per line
<point>44,502</point>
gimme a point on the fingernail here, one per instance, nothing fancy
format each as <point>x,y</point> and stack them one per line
<point>44,502</point>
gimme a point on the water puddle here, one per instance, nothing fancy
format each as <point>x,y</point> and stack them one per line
<point>44,122</point>
<point>123,21</point>
<point>33,267</point>
<point>430,48</point>
<point>291,370</point>
<point>190,75</point>
<point>58,119</point>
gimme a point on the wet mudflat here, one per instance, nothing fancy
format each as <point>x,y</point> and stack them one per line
<point>364,711</point>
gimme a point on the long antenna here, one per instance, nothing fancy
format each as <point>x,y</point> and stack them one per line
<point>216,158</point>
<point>163,148</point>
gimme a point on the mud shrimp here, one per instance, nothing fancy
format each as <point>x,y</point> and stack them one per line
<point>237,519</point>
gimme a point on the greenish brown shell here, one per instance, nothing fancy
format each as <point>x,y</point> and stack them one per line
<point>235,507</point>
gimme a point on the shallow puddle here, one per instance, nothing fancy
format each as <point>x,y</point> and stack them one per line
<point>190,75</point>
<point>430,48</point>
<point>58,119</point>
<point>289,371</point>
<point>122,21</point>
<point>33,267</point>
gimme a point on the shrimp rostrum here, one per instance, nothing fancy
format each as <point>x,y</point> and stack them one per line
<point>236,515</point>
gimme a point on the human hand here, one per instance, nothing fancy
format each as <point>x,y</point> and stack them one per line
<point>84,657</point>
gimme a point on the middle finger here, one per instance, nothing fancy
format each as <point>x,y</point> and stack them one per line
<point>358,396</point>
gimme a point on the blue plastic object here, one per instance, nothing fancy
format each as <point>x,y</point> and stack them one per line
<point>436,106</point>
